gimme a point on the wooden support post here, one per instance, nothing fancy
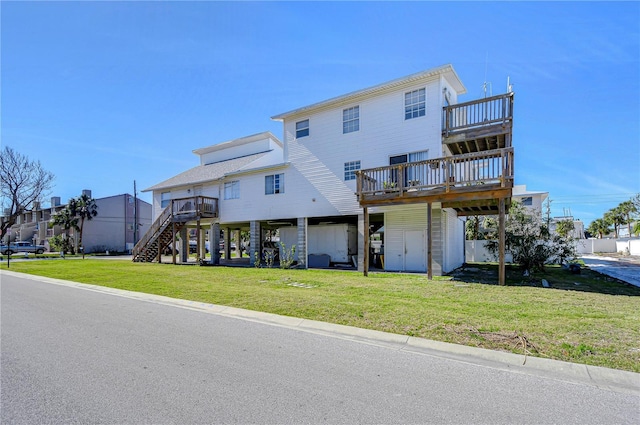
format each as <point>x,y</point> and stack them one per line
<point>429,243</point>
<point>366,242</point>
<point>173,241</point>
<point>198,253</point>
<point>501,247</point>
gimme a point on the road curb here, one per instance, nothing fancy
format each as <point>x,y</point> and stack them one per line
<point>601,377</point>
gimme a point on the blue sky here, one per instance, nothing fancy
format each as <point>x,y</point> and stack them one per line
<point>105,93</point>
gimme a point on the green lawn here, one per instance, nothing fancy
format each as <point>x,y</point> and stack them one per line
<point>583,318</point>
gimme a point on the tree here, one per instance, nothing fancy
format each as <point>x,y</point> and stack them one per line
<point>599,227</point>
<point>616,217</point>
<point>529,241</point>
<point>472,228</point>
<point>565,228</point>
<point>23,182</point>
<point>84,207</point>
<point>628,210</point>
<point>67,220</point>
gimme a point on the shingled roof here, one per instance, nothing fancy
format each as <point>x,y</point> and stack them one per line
<point>206,173</point>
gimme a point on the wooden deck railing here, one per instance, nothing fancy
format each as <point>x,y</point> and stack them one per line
<point>491,167</point>
<point>194,206</point>
<point>477,113</point>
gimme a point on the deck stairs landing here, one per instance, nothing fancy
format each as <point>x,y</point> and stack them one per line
<point>173,218</point>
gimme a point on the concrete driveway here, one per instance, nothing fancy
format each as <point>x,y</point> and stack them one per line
<point>623,268</point>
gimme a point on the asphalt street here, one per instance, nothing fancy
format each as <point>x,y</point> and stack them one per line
<point>627,270</point>
<point>74,353</point>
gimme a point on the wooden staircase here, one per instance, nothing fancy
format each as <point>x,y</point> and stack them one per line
<point>172,219</point>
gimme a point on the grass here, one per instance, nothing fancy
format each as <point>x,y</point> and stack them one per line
<point>583,318</point>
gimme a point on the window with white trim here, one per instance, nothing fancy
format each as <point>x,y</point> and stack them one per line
<point>415,104</point>
<point>350,119</point>
<point>527,200</point>
<point>302,129</point>
<point>350,169</point>
<point>274,184</point>
<point>165,199</point>
<point>232,190</point>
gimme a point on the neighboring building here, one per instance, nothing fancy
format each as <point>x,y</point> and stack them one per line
<point>403,155</point>
<point>530,199</point>
<point>111,230</point>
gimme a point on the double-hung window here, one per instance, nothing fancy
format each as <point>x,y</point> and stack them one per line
<point>232,190</point>
<point>302,129</point>
<point>350,169</point>
<point>415,104</point>
<point>165,199</point>
<point>274,184</point>
<point>350,119</point>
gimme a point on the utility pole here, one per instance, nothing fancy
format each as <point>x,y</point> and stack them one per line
<point>135,214</point>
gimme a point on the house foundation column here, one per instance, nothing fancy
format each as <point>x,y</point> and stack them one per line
<point>214,243</point>
<point>199,251</point>
<point>255,242</point>
<point>302,242</point>
<point>236,236</point>
<point>184,244</point>
<point>227,243</point>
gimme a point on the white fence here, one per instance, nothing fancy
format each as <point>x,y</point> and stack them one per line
<point>476,251</point>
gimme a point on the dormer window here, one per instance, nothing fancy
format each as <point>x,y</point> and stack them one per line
<point>415,104</point>
<point>302,129</point>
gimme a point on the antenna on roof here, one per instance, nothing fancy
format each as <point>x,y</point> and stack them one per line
<point>486,84</point>
<point>509,85</point>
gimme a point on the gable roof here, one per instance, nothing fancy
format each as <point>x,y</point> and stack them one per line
<point>206,173</point>
<point>446,70</point>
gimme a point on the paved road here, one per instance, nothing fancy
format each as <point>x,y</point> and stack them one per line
<point>623,269</point>
<point>75,354</point>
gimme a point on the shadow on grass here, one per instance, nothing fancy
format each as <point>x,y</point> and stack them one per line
<point>556,276</point>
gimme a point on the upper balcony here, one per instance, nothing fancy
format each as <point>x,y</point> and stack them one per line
<point>478,125</point>
<point>472,184</point>
<point>192,208</point>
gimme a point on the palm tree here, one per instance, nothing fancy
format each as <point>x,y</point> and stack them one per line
<point>628,210</point>
<point>614,216</point>
<point>67,220</point>
<point>85,208</point>
<point>599,227</point>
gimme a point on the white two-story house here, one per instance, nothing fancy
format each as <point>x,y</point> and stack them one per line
<point>402,158</point>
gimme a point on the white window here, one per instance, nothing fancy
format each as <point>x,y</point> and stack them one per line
<point>350,169</point>
<point>350,119</point>
<point>415,104</point>
<point>302,128</point>
<point>274,184</point>
<point>232,190</point>
<point>165,199</point>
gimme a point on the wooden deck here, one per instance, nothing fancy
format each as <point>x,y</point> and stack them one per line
<point>478,125</point>
<point>470,183</point>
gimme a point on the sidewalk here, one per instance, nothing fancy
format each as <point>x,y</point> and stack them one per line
<point>624,268</point>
